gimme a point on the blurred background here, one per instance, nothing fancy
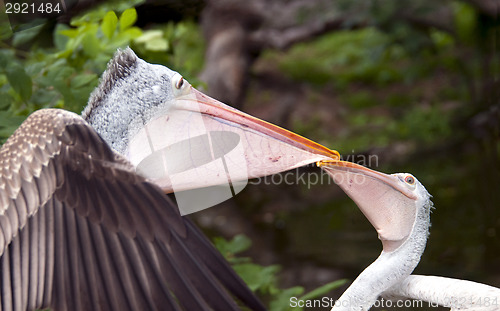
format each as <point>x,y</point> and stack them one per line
<point>398,86</point>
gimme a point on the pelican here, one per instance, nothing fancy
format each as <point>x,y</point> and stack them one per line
<point>398,206</point>
<point>84,220</point>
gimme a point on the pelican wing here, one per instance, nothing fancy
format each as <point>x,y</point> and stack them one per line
<point>79,230</point>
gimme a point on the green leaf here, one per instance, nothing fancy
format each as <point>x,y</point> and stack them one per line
<point>5,101</point>
<point>5,28</point>
<point>9,123</point>
<point>128,18</point>
<point>323,289</point>
<point>132,33</point>
<point>45,98</point>
<point>58,76</point>
<point>123,39</point>
<point>71,45</point>
<point>90,17</point>
<point>82,80</point>
<point>157,45</point>
<point>11,120</point>
<point>123,5</point>
<point>81,96</point>
<point>60,40</point>
<point>109,24</point>
<point>71,33</point>
<point>153,40</point>
<point>91,45</point>
<point>282,301</point>
<point>6,57</point>
<point>258,277</point>
<point>236,245</point>
<point>25,36</point>
<point>19,80</point>
<point>149,35</point>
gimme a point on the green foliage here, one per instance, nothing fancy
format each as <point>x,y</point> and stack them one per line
<point>264,280</point>
<point>237,244</point>
<point>95,37</point>
<point>258,278</point>
<point>153,40</point>
<point>281,301</point>
<point>429,125</point>
<point>127,19</point>
<point>98,12</point>
<point>63,75</point>
<point>9,123</point>
<point>465,18</point>
<point>109,23</point>
<point>361,99</point>
<point>390,66</point>
<point>19,80</point>
<point>344,57</point>
<point>178,46</point>
<point>323,289</point>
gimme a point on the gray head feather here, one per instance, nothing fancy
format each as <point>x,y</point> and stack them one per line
<point>122,64</point>
<point>129,95</point>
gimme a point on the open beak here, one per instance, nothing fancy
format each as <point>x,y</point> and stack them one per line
<point>199,142</point>
<point>384,199</point>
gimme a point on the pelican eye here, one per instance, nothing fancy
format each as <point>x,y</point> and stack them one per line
<point>410,180</point>
<point>179,83</point>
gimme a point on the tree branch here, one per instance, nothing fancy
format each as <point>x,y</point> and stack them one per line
<point>282,39</point>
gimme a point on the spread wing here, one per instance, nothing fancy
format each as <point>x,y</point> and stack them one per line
<point>79,230</point>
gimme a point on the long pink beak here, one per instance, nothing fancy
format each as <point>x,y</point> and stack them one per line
<point>202,142</point>
<point>216,109</point>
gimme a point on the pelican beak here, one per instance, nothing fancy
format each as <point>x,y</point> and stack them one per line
<point>199,142</point>
<point>384,199</point>
<point>217,110</point>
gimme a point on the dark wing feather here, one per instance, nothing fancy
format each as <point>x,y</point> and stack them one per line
<point>79,230</point>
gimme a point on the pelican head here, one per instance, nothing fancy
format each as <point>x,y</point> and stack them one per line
<point>393,204</point>
<point>127,97</point>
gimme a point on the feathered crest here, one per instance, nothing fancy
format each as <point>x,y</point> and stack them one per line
<point>122,64</point>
